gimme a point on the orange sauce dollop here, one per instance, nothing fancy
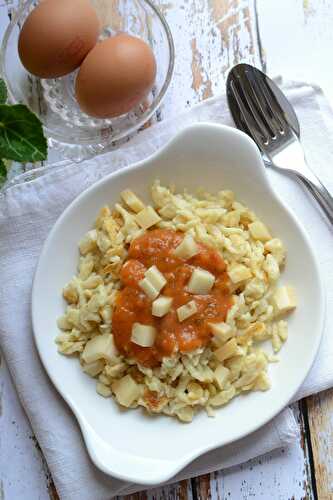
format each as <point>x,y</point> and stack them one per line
<point>132,305</point>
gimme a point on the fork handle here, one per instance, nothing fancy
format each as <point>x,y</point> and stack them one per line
<point>318,190</point>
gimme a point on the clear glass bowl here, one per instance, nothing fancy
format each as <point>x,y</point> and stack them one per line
<point>68,129</point>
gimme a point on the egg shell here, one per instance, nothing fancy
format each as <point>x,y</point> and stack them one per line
<point>115,76</point>
<point>56,37</point>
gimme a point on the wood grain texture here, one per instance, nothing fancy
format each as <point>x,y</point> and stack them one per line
<point>22,468</point>
<point>210,36</point>
<point>179,491</point>
<point>320,417</point>
<point>264,477</point>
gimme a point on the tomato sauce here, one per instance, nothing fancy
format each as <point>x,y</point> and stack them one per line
<point>132,305</point>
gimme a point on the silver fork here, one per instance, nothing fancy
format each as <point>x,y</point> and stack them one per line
<point>260,109</point>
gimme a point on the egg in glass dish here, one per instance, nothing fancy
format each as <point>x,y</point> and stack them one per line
<point>83,116</point>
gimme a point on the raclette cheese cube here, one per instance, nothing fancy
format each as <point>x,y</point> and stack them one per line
<point>147,218</point>
<point>221,375</point>
<point>161,306</point>
<point>284,299</point>
<point>132,201</point>
<point>222,331</point>
<point>227,351</point>
<point>169,211</point>
<point>239,273</point>
<point>187,248</point>
<point>126,390</point>
<point>143,335</point>
<point>148,288</point>
<point>186,311</point>
<point>89,242</point>
<point>103,390</point>
<point>259,231</point>
<point>276,248</point>
<point>99,347</point>
<point>94,368</point>
<point>201,282</point>
<point>156,278</point>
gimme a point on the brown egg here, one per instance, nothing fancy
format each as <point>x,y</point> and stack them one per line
<point>57,36</point>
<point>115,76</point>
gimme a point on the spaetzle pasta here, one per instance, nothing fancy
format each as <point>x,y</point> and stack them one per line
<point>232,361</point>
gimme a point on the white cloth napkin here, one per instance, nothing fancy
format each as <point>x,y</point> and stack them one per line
<point>27,212</point>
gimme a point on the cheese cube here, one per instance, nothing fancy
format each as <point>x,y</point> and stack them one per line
<point>201,282</point>
<point>186,310</point>
<point>64,324</point>
<point>187,248</point>
<point>93,368</point>
<point>156,278</point>
<point>99,347</point>
<point>222,332</point>
<point>148,288</point>
<point>221,375</point>
<point>161,306</point>
<point>126,390</point>
<point>259,231</point>
<point>239,273</point>
<point>88,242</point>
<point>275,246</point>
<point>169,211</point>
<point>143,335</point>
<point>262,382</point>
<point>103,390</point>
<point>132,201</point>
<point>284,299</point>
<point>228,350</point>
<point>271,267</point>
<point>147,217</point>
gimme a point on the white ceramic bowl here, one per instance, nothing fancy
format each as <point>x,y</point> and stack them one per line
<point>129,444</point>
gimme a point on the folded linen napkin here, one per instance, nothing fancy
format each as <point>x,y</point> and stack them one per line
<point>27,212</point>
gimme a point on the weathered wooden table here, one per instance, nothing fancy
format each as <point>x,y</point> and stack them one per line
<point>289,37</point>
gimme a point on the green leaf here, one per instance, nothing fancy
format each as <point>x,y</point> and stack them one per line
<point>3,92</point>
<point>21,134</point>
<point>3,172</point>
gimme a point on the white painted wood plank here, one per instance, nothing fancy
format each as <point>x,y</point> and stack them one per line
<point>320,416</point>
<point>210,36</point>
<point>178,491</point>
<point>281,474</point>
<point>297,39</point>
<point>22,471</point>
